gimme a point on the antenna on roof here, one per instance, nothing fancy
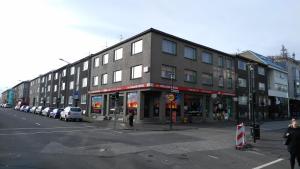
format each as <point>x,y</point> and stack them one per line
<point>121,37</point>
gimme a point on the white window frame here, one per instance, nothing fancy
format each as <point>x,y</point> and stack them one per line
<point>117,78</point>
<point>56,75</point>
<point>104,79</point>
<point>96,62</point>
<point>72,70</point>
<point>136,72</point>
<point>118,54</point>
<point>83,99</point>
<point>137,47</point>
<point>85,66</point>
<point>84,82</point>
<point>105,59</point>
<point>64,72</point>
<point>70,100</point>
<point>48,88</point>
<point>71,85</point>
<point>95,80</point>
<point>55,88</point>
<point>63,86</point>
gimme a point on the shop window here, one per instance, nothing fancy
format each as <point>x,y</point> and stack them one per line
<point>97,104</point>
<point>132,102</point>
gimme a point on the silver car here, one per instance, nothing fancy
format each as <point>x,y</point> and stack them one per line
<point>71,113</point>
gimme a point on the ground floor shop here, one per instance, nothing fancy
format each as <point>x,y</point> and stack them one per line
<point>152,104</point>
<point>278,108</point>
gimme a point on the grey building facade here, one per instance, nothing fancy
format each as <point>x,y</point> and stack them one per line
<point>34,92</point>
<point>21,93</point>
<point>142,69</point>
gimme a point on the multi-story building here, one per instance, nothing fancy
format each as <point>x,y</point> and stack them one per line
<point>293,68</point>
<point>143,68</point>
<point>259,92</point>
<point>21,93</point>
<point>59,89</point>
<point>78,83</point>
<point>34,92</point>
<point>277,85</point>
<point>8,96</point>
<point>45,98</point>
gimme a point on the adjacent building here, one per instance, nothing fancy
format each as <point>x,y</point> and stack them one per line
<point>34,91</point>
<point>259,94</point>
<point>144,68</point>
<point>277,77</point>
<point>293,68</point>
<point>21,93</point>
<point>8,96</point>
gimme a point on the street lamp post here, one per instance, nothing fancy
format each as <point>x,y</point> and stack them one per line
<point>172,75</point>
<point>252,98</point>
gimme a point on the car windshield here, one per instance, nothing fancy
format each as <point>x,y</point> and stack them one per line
<point>76,109</point>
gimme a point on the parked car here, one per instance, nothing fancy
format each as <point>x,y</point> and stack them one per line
<point>22,108</point>
<point>55,113</point>
<point>47,111</point>
<point>71,113</point>
<point>17,107</point>
<point>39,110</point>
<point>27,109</point>
<point>32,110</point>
<point>7,105</point>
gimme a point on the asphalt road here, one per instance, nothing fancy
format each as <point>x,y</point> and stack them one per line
<point>29,141</point>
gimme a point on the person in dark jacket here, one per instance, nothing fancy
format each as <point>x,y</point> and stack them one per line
<point>130,118</point>
<point>292,136</point>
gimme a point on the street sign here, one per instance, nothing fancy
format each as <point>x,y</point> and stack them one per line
<point>170,97</point>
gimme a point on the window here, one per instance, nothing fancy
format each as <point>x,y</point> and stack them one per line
<point>48,99</point>
<point>169,47</point>
<point>49,77</point>
<point>71,85</point>
<point>72,71</point>
<point>190,76</point>
<point>221,81</point>
<point>64,73</point>
<point>104,78</point>
<point>241,65</point>
<point>280,87</point>
<point>136,72</point>
<point>168,71</point>
<point>243,100</point>
<point>96,62</point>
<point>207,57</point>
<point>85,65</point>
<point>117,76</point>
<point>56,76</point>
<point>63,86</point>
<point>261,86</point>
<point>228,63</point>
<point>137,47</point>
<point>105,59</point>
<point>190,53</point>
<point>84,82</point>
<point>220,61</point>
<point>261,70</point>
<point>54,100</point>
<point>229,83</point>
<point>43,79</point>
<point>95,81</point>
<point>242,82</point>
<point>62,99</point>
<point>207,79</point>
<point>83,99</point>
<point>49,88</point>
<point>70,100</point>
<point>42,90</point>
<point>55,88</point>
<point>118,54</point>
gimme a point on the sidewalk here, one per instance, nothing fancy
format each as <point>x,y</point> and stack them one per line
<point>275,125</point>
<point>154,126</point>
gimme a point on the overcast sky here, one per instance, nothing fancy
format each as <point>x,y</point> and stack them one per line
<point>34,34</point>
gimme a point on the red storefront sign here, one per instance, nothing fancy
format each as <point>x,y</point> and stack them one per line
<point>160,86</point>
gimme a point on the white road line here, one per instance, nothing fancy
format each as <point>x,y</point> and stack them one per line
<point>268,164</point>
<point>49,132</point>
<point>254,152</point>
<point>213,157</point>
<point>38,124</point>
<point>45,128</point>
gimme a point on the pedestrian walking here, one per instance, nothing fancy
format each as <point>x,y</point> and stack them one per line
<point>292,136</point>
<point>130,118</point>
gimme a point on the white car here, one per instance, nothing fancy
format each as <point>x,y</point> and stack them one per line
<point>47,111</point>
<point>71,113</point>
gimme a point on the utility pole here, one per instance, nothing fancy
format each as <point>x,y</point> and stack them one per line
<point>171,102</point>
<point>251,101</point>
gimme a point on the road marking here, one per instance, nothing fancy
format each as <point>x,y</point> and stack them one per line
<point>45,128</point>
<point>213,157</point>
<point>38,124</point>
<point>268,164</point>
<point>254,152</point>
<point>49,132</point>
